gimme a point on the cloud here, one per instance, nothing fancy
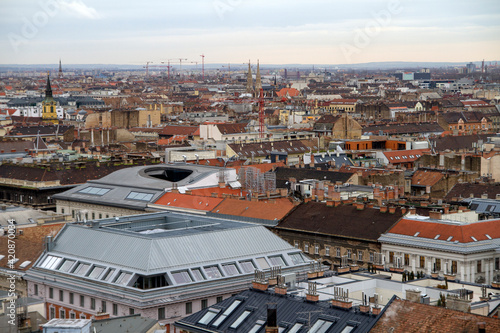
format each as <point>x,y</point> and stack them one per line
<point>79,9</point>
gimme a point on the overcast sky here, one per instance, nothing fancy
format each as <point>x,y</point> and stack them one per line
<point>274,31</point>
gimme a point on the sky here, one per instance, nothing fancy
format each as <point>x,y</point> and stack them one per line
<point>234,31</point>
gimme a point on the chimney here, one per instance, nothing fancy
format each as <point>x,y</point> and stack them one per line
<point>259,282</point>
<point>383,209</point>
<point>413,295</point>
<point>312,295</point>
<point>412,211</point>
<point>481,327</point>
<point>392,209</point>
<point>101,316</point>
<point>446,209</point>
<point>272,319</point>
<point>360,206</point>
<point>435,215</point>
<point>280,288</point>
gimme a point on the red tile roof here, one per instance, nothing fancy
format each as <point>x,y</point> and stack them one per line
<point>267,210</point>
<point>462,233</point>
<point>409,317</point>
<point>404,156</point>
<point>188,201</point>
<point>292,92</point>
<point>207,192</point>
<point>426,178</point>
<point>179,130</point>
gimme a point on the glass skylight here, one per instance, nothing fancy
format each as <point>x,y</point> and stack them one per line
<point>213,272</point>
<point>230,269</point>
<point>96,272</point>
<point>226,313</point>
<point>277,261</point>
<point>295,328</point>
<point>123,278</point>
<point>240,319</point>
<point>95,190</point>
<point>211,313</point>
<point>51,262</point>
<point>297,258</point>
<point>107,276</point>
<point>247,266</point>
<point>182,277</point>
<point>197,274</point>
<point>141,196</point>
<point>262,263</point>
<point>66,266</point>
<point>81,269</point>
<point>321,326</point>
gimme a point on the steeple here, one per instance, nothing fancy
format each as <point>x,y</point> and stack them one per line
<point>60,69</point>
<point>249,79</point>
<point>258,82</point>
<point>48,90</point>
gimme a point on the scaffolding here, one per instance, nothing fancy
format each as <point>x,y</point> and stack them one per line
<point>252,179</point>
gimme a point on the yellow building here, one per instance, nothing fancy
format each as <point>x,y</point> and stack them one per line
<point>49,104</point>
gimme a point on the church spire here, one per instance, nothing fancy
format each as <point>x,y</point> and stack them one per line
<point>258,82</point>
<point>48,90</point>
<point>60,69</point>
<point>249,79</point>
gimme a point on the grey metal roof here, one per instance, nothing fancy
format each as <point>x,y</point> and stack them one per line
<point>134,323</point>
<point>440,245</point>
<point>484,206</point>
<point>289,310</point>
<point>147,179</point>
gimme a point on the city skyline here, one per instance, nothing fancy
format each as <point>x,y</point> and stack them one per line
<point>232,31</point>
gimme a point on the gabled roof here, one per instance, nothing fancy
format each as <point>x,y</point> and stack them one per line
<point>179,130</point>
<point>289,311</point>
<point>404,128</point>
<point>292,92</point>
<point>464,190</point>
<point>344,221</point>
<point>231,128</point>
<point>266,210</point>
<point>404,156</point>
<point>410,317</point>
<point>426,178</point>
<point>441,230</point>
<point>458,142</point>
<point>197,202</point>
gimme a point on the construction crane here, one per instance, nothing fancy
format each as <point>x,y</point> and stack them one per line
<point>203,66</point>
<point>180,64</point>
<point>147,67</point>
<point>261,113</point>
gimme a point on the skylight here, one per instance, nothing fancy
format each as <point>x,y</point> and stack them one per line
<point>449,238</point>
<point>277,261</point>
<point>95,190</point>
<point>213,272</point>
<point>437,236</point>
<point>257,326</point>
<point>240,319</point>
<point>230,269</point>
<point>108,275</point>
<point>197,274</point>
<point>488,236</point>
<point>226,313</point>
<point>297,258</point>
<point>320,326</point>
<point>81,269</point>
<point>66,266</point>
<point>182,277</point>
<point>211,313</point>
<point>473,238</point>
<point>141,196</point>
<point>416,234</point>
<point>51,262</point>
<point>247,266</point>
<point>25,264</point>
<point>96,272</point>
<point>347,329</point>
<point>123,278</point>
<point>295,328</point>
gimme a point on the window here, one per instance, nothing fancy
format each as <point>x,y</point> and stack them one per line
<point>82,316</point>
<point>103,307</point>
<point>422,262</point>
<point>51,262</point>
<point>96,272</point>
<point>207,318</point>
<point>108,275</point>
<point>161,313</point>
<point>189,307</point>
<point>81,269</point>
<point>247,266</point>
<point>296,258</point>
<point>347,329</point>
<point>100,215</point>
<point>360,255</point>
<point>62,314</point>
<point>226,313</point>
<point>230,269</point>
<point>296,244</point>
<point>219,299</point>
<point>95,190</point>
<point>204,304</point>
<point>337,252</point>
<point>82,301</point>
<point>262,263</point>
<point>407,259</point>
<point>479,268</point>
<point>295,328</point>
<point>36,289</point>
<point>277,261</point>
<point>66,266</point>
<point>52,313</point>
<point>131,311</point>
<point>453,267</point>
<point>62,210</point>
<point>320,326</point>
<point>372,257</point>
<point>123,278</point>
<point>240,319</point>
<point>72,315</point>
<point>51,292</point>
<point>258,325</point>
<point>197,274</point>
<point>327,251</point>
<point>92,303</point>
<point>213,272</point>
<point>115,309</point>
<point>391,257</point>
<point>438,265</point>
<point>306,247</point>
<point>182,277</point>
<point>497,263</point>
<point>316,249</point>
<point>141,196</point>
<point>349,254</point>
<point>61,295</point>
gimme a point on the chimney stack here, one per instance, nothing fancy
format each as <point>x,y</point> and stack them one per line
<point>272,319</point>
